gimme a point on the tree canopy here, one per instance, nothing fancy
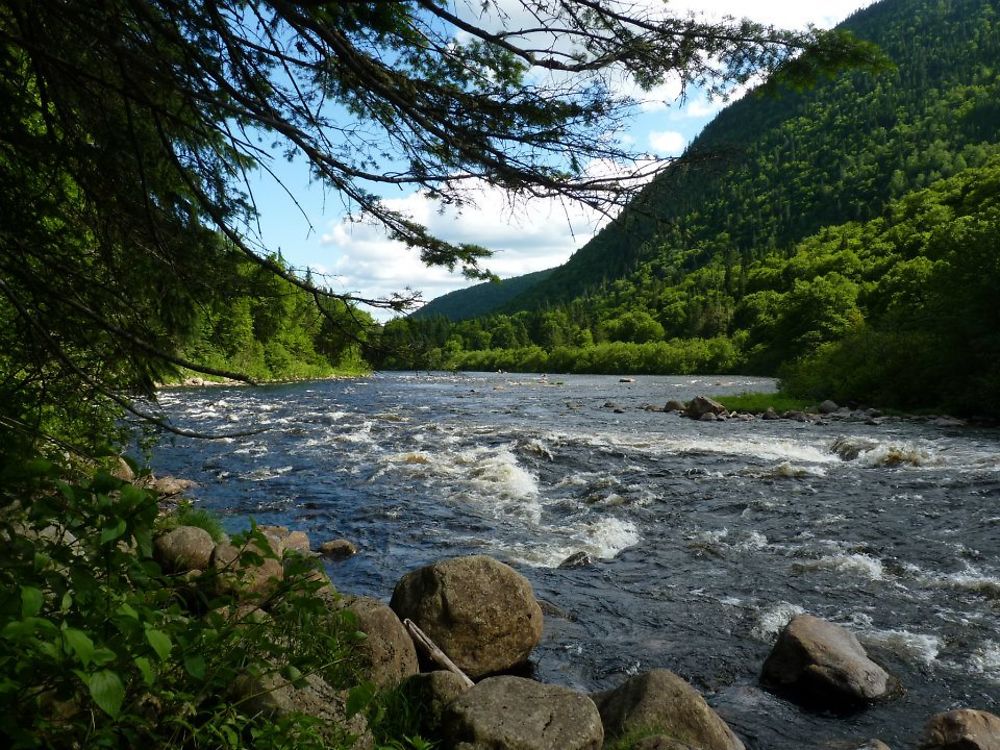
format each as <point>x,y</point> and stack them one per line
<point>130,127</point>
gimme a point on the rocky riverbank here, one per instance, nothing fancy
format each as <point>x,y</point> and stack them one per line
<point>483,617</point>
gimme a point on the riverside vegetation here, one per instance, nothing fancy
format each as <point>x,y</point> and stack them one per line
<point>129,258</point>
<point>844,237</point>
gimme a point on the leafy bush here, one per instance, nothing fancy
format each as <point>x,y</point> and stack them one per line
<point>98,648</point>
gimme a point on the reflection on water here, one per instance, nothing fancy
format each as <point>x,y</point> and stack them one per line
<point>705,537</point>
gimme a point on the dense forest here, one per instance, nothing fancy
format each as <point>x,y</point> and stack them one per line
<point>818,234</point>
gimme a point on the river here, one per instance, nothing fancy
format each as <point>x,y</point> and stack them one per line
<point>705,537</point>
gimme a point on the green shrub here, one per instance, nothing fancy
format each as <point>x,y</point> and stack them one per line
<point>98,648</point>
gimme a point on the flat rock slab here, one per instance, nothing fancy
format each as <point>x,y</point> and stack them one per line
<point>964,729</point>
<point>513,713</point>
<point>662,702</point>
<point>822,665</point>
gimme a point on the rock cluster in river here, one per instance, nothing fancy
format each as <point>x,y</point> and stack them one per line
<point>484,616</point>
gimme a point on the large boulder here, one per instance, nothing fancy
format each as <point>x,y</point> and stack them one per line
<point>240,575</point>
<point>828,407</point>
<point>964,729</point>
<point>388,654</point>
<point>513,713</point>
<point>275,696</point>
<point>674,405</point>
<point>170,486</point>
<point>282,539</point>
<point>184,548</point>
<point>661,702</point>
<point>430,694</point>
<point>818,663</point>
<point>480,612</point>
<point>702,405</point>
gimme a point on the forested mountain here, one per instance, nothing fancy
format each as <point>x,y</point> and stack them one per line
<point>480,299</point>
<point>726,263</point>
<point>778,165</point>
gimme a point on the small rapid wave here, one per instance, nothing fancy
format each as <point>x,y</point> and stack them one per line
<point>864,566</point>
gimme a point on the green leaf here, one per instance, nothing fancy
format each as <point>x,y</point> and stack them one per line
<point>195,666</point>
<point>160,642</point>
<point>127,611</point>
<point>110,533</point>
<point>148,675</point>
<point>104,656</point>
<point>359,698</point>
<point>67,603</point>
<point>31,601</point>
<point>80,644</point>
<point>107,691</point>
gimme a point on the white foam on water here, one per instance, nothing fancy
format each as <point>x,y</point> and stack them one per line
<point>536,446</point>
<point>914,647</point>
<point>985,660</point>
<point>771,620</point>
<point>601,539</point>
<point>861,565</point>
<point>753,541</point>
<point>887,454</point>
<point>788,470</point>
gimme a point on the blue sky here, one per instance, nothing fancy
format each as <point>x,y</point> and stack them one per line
<point>527,237</point>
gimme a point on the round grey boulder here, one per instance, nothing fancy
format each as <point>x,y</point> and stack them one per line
<point>388,655</point>
<point>513,713</point>
<point>820,664</point>
<point>662,702</point>
<point>964,729</point>
<point>184,548</point>
<point>480,612</point>
<point>239,576</point>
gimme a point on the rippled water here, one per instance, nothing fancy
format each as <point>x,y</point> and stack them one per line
<point>706,537</point>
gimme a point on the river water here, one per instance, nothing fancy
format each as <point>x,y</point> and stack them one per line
<point>705,537</point>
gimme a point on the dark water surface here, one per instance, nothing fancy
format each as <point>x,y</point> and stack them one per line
<point>707,537</point>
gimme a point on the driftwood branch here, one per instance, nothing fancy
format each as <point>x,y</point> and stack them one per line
<point>439,656</point>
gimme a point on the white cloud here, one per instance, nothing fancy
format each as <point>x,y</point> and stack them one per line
<point>530,236</point>
<point>667,142</point>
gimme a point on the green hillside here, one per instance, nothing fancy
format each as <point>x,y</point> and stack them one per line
<point>480,299</point>
<point>797,238</point>
<point>775,167</point>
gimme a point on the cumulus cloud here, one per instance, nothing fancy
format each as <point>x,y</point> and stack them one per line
<point>527,237</point>
<point>667,142</point>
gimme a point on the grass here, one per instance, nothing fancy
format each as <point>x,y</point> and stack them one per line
<point>758,403</point>
<point>187,515</point>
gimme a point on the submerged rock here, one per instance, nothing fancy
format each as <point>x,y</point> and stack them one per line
<point>662,702</point>
<point>818,663</point>
<point>964,729</point>
<point>338,549</point>
<point>184,548</point>
<point>480,612</point>
<point>513,713</point>
<point>576,560</point>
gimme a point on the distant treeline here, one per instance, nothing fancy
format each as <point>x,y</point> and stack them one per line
<point>899,310</point>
